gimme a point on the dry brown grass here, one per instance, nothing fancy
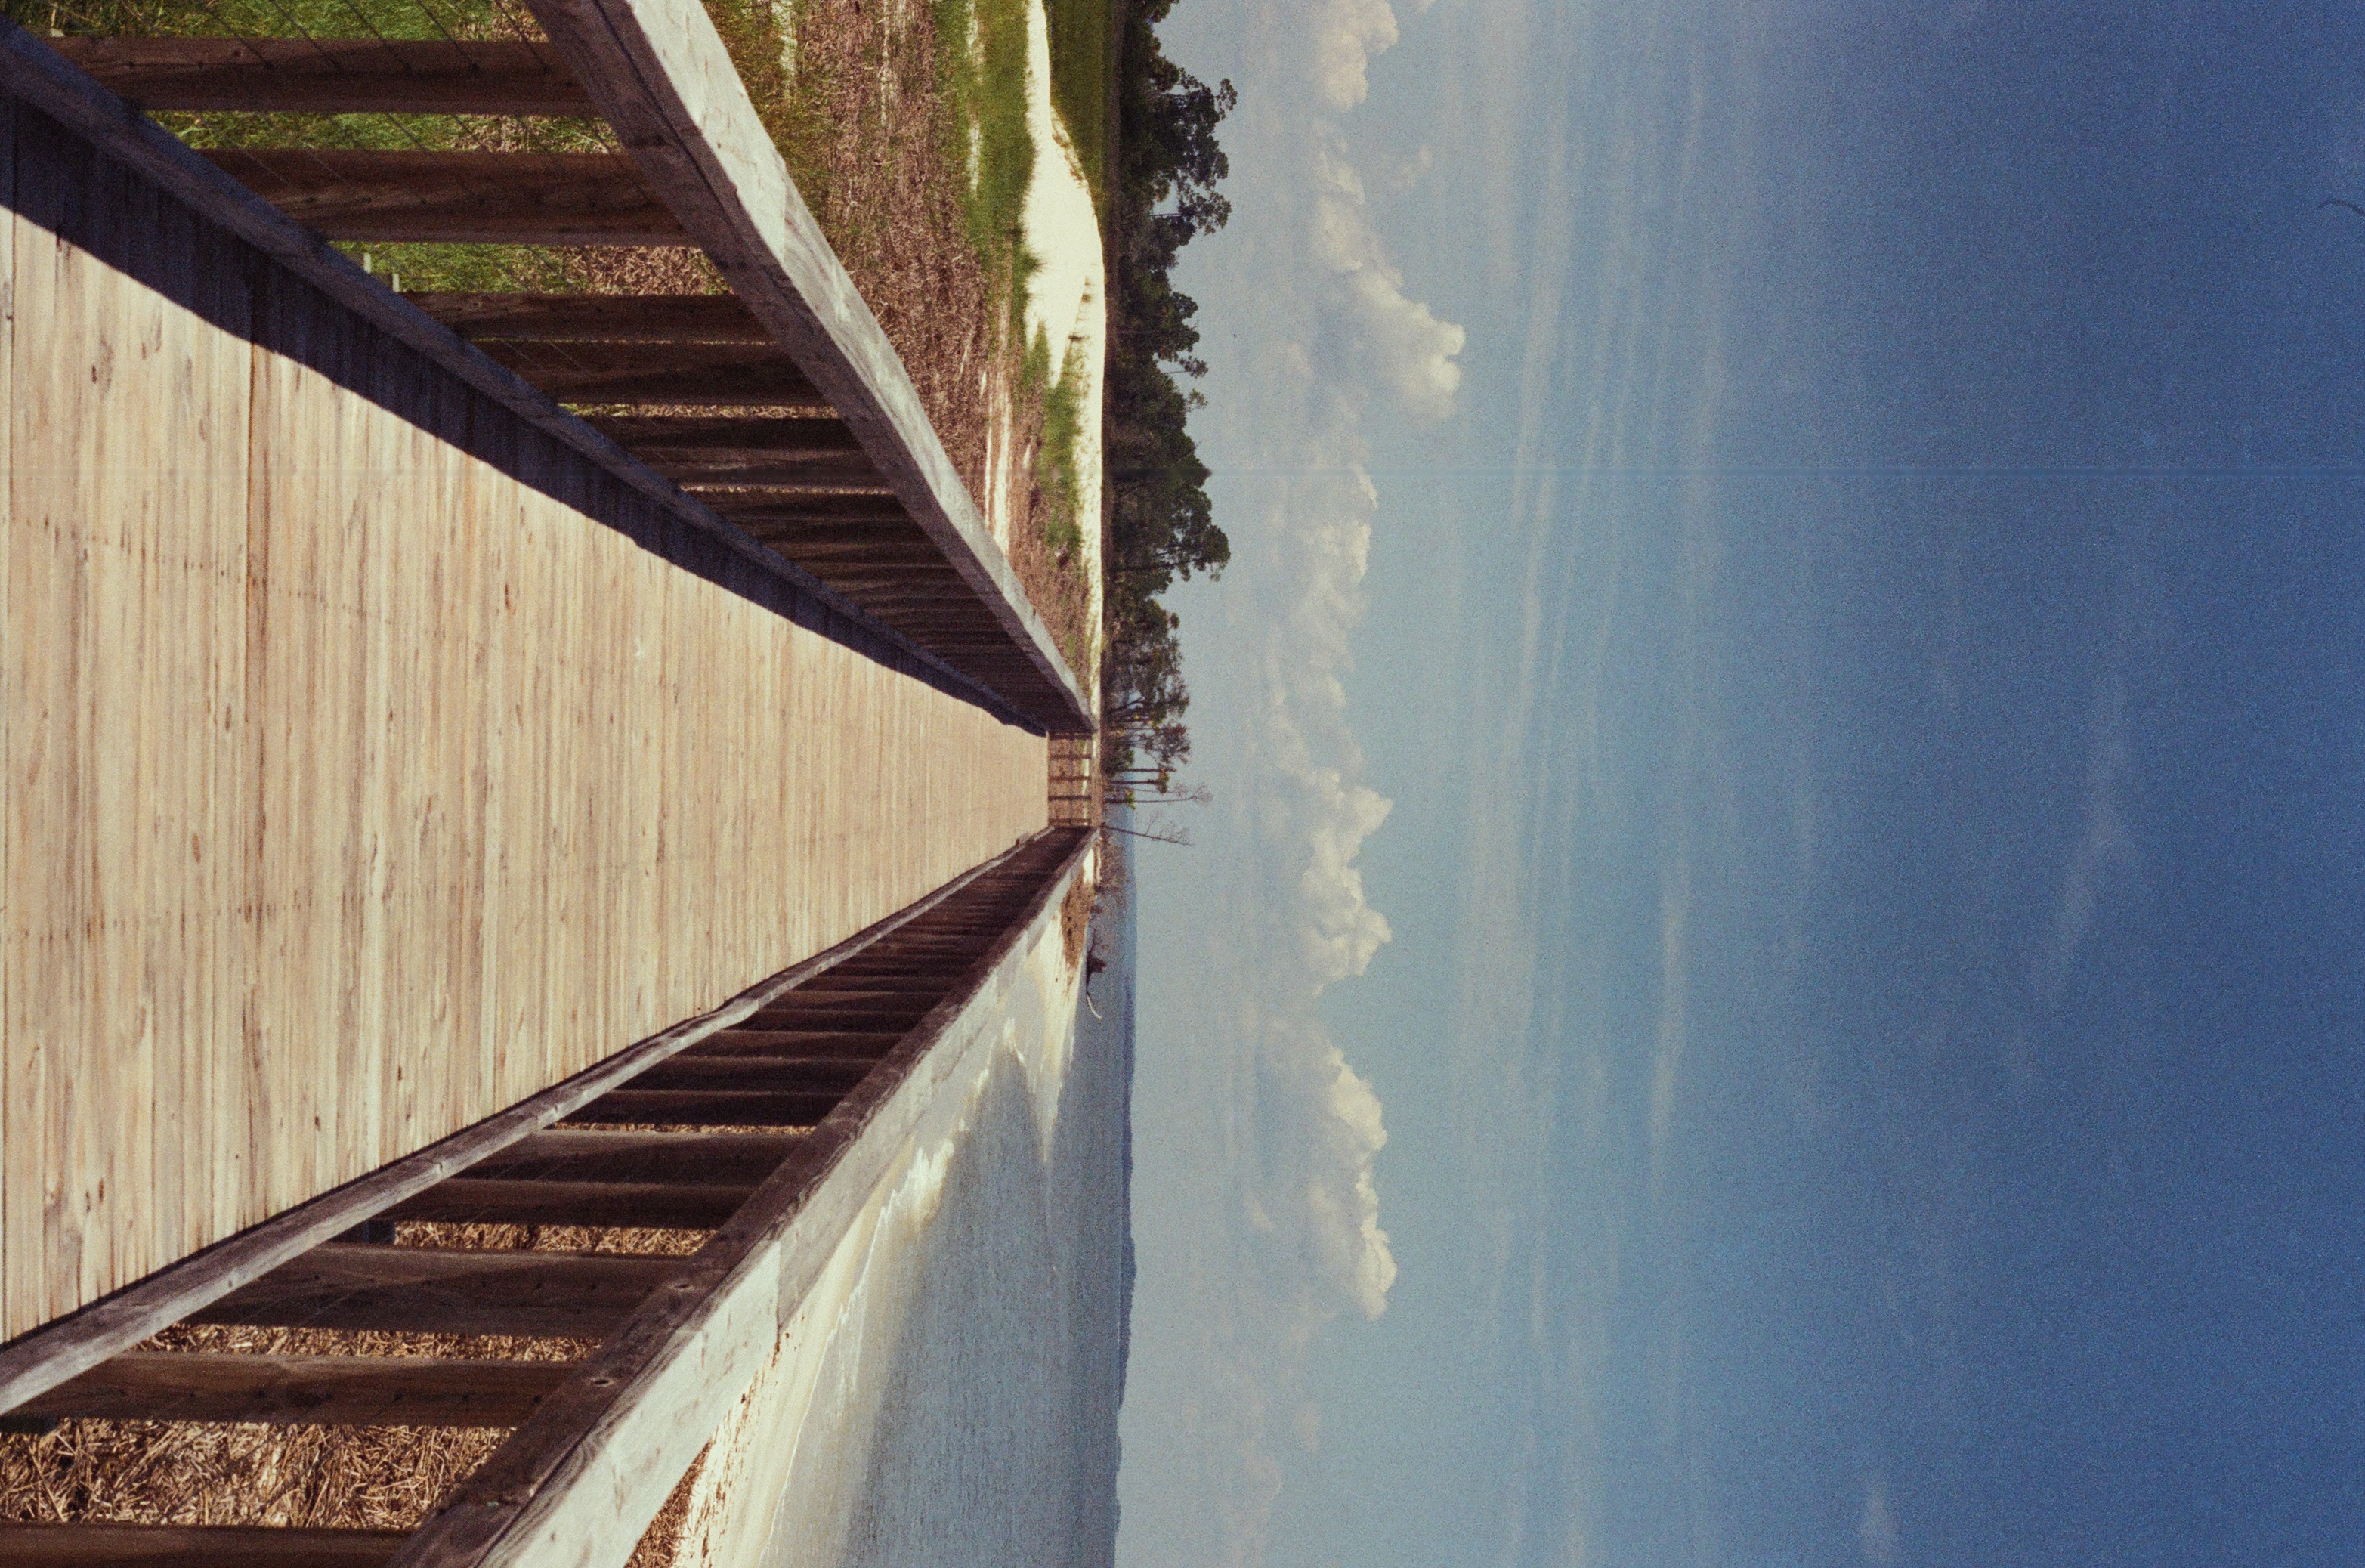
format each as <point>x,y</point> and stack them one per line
<point>188,1473</point>
<point>191,1473</point>
<point>1076,920</point>
<point>874,166</point>
<point>872,161</point>
<point>626,269</point>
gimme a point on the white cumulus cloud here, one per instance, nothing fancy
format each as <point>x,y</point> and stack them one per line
<point>1391,342</point>
<point>1346,34</point>
<point>1290,1237</point>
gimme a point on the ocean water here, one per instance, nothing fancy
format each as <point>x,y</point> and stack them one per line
<point>949,1395</point>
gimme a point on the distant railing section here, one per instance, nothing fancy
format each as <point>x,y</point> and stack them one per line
<point>1075,790</point>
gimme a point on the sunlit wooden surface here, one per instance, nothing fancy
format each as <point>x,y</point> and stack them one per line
<point>355,790</point>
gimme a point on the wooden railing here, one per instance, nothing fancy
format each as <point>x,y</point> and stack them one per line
<point>837,468</point>
<point>832,1063</point>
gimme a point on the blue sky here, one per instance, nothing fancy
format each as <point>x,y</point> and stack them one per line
<point>1774,977</point>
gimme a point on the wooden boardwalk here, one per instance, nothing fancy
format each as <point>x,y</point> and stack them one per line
<point>374,759</point>
<point>858,1040</point>
<point>853,487</point>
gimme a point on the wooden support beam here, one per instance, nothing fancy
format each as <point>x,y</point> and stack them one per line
<point>937,966</point>
<point>706,1107</point>
<point>616,1204</point>
<point>194,1546</point>
<point>841,1018</point>
<point>663,78</point>
<point>890,585</point>
<point>911,558</point>
<point>571,1154</point>
<point>867,1044</point>
<point>724,374</point>
<point>597,317</point>
<point>851,560</point>
<point>469,198</point>
<point>839,473</point>
<point>866,990</point>
<point>346,1391</point>
<point>332,76</point>
<point>771,506</point>
<point>684,435</point>
<point>563,1296</point>
<point>803,1075</point>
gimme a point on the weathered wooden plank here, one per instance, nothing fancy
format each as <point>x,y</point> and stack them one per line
<point>578,1482</point>
<point>129,443</point>
<point>726,437</point>
<point>705,1107</point>
<point>628,1205</point>
<point>330,75</point>
<point>598,318</point>
<point>464,197</point>
<point>18,1204</point>
<point>660,73</point>
<point>729,375</point>
<point>352,1390</point>
<point>570,1154</point>
<point>559,1295</point>
<point>192,1546</point>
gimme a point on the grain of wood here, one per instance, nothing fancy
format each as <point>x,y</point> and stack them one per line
<point>10,1190</point>
<point>356,788</point>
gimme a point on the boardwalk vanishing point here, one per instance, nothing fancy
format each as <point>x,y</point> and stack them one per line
<point>475,760</point>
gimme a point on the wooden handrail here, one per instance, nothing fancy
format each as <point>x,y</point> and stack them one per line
<point>580,1481</point>
<point>659,71</point>
<point>37,1362</point>
<point>35,73</point>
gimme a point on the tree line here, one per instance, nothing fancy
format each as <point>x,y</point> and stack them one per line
<point>1162,529</point>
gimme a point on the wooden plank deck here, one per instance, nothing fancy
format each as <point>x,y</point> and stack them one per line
<point>695,167</point>
<point>373,759</point>
<point>668,1341</point>
<point>43,81</point>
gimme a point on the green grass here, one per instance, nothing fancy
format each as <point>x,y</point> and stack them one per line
<point>491,268</point>
<point>983,90</point>
<point>267,18</point>
<point>1055,459</point>
<point>1083,38</point>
